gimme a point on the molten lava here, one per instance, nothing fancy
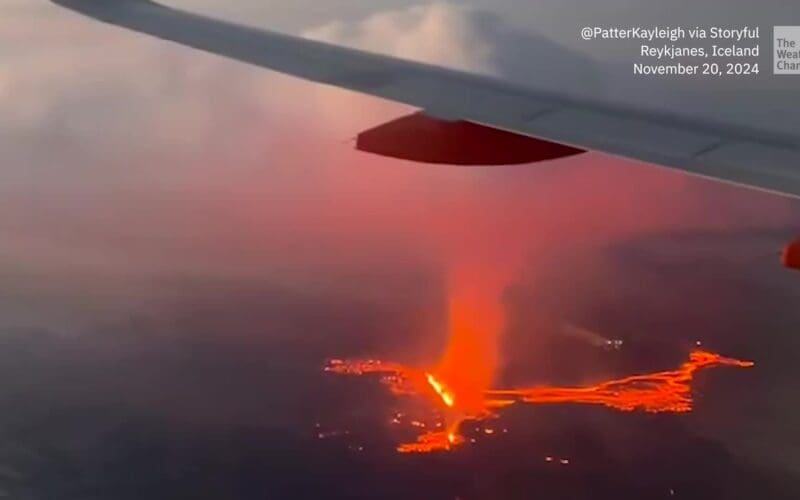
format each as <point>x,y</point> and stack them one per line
<point>439,388</point>
<point>461,386</point>
<point>666,391</point>
<point>433,441</point>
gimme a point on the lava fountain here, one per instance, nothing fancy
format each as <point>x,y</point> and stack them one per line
<point>475,320</point>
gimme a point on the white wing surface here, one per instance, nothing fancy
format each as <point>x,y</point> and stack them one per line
<point>750,157</point>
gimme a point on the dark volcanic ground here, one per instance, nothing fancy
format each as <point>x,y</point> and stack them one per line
<point>217,392</point>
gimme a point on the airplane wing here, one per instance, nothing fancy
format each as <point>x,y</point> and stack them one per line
<point>750,157</point>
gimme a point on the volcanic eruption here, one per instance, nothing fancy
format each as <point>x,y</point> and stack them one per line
<point>658,392</point>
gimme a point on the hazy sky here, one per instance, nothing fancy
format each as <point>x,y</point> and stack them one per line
<point>125,154</point>
<point>127,157</point>
<point>160,202</point>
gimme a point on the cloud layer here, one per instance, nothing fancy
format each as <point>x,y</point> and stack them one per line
<point>466,38</point>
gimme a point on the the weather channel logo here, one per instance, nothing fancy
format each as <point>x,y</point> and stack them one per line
<point>786,41</point>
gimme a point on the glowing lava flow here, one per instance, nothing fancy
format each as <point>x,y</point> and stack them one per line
<point>447,397</point>
<point>437,440</point>
<point>403,380</point>
<point>666,391</point>
<point>400,379</point>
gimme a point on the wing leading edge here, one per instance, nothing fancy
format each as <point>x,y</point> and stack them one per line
<point>749,157</point>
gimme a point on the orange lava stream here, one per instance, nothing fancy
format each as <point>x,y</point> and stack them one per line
<point>666,391</point>
<point>434,440</point>
<point>439,388</point>
<point>400,379</point>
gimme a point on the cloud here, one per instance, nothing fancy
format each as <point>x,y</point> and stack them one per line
<point>438,33</point>
<point>466,38</point>
<point>544,52</point>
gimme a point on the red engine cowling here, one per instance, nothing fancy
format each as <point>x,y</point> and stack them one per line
<point>422,138</point>
<point>791,255</point>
